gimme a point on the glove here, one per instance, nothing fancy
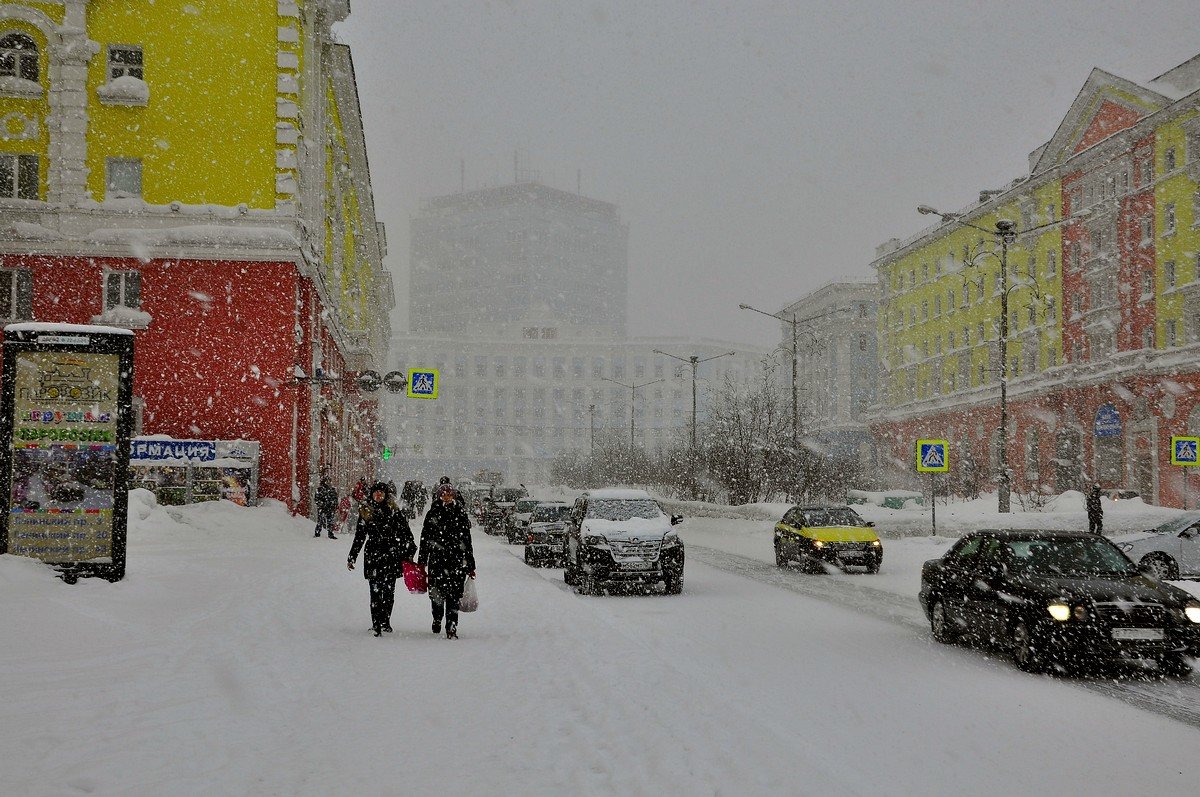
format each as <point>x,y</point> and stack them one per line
<point>349,565</point>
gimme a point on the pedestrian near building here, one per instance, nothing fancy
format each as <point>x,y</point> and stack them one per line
<point>383,532</point>
<point>327,500</point>
<point>448,557</point>
<point>360,491</point>
<point>1095,512</point>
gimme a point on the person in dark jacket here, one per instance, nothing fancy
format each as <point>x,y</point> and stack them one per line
<point>1095,512</point>
<point>388,540</point>
<point>447,555</point>
<point>327,501</point>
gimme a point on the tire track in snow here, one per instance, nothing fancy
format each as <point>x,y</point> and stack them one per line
<point>1177,699</point>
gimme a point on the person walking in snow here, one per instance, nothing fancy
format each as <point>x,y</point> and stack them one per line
<point>447,555</point>
<point>383,531</point>
<point>327,500</point>
<point>1095,512</point>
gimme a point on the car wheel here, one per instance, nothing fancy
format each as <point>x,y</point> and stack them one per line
<point>673,583</point>
<point>1025,652</point>
<point>588,585</point>
<point>939,624</point>
<point>529,560</point>
<point>1175,666</point>
<point>781,560</point>
<point>874,566</point>
<point>1162,566</point>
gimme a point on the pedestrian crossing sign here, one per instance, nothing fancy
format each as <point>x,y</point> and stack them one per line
<point>1185,451</point>
<point>422,383</point>
<point>932,456</point>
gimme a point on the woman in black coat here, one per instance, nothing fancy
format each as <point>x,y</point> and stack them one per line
<point>448,557</point>
<point>389,543</point>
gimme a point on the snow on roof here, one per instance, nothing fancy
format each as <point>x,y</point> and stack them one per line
<point>618,494</point>
<point>78,329</point>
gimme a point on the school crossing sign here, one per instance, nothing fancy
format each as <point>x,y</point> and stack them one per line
<point>1185,451</point>
<point>423,383</point>
<point>933,456</point>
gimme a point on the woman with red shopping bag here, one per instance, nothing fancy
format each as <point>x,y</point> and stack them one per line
<point>383,530</point>
<point>448,557</point>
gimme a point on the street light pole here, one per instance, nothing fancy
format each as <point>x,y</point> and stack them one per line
<point>592,424</point>
<point>632,401</point>
<point>694,361</point>
<point>1005,233</point>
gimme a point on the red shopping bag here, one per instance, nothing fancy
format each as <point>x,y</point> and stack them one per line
<point>414,578</point>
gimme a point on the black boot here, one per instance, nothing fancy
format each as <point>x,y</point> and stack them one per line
<point>437,626</point>
<point>387,628</point>
<point>451,631</point>
<point>377,630</point>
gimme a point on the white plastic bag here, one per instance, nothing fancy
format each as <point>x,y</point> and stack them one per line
<point>470,597</point>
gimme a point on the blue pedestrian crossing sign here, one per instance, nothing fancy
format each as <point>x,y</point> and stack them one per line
<point>422,383</point>
<point>1185,451</point>
<point>933,456</point>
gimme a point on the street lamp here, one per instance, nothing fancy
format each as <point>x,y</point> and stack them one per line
<point>693,361</point>
<point>632,400</point>
<point>795,322</point>
<point>1005,233</point>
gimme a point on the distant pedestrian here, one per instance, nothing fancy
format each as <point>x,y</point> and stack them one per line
<point>388,540</point>
<point>359,493</point>
<point>447,555</point>
<point>327,501</point>
<point>1095,512</point>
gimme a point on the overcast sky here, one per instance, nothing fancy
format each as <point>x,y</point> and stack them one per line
<point>756,150</point>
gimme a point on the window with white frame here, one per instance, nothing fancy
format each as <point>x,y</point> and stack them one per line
<point>19,176</point>
<point>1169,159</point>
<point>122,289</point>
<point>19,57</point>
<point>1169,275</point>
<point>1169,218</point>
<point>1147,338</point>
<point>123,178</point>
<point>1147,284</point>
<point>16,294</point>
<point>125,59</point>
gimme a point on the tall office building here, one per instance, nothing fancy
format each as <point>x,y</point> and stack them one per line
<point>519,261</point>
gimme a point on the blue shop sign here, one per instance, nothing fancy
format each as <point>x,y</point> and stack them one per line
<point>1108,421</point>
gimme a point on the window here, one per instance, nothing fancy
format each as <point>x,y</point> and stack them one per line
<point>519,367</point>
<point>498,364</point>
<point>1147,230</point>
<point>1147,283</point>
<point>16,294</point>
<point>529,333</point>
<point>1168,219</point>
<point>18,57</point>
<point>1051,264</point>
<point>577,367</point>
<point>481,366</point>
<point>124,59</point>
<point>1169,159</point>
<point>122,289</point>
<point>123,178</point>
<point>1169,275</point>
<point>1147,338</point>
<point>1033,265</point>
<point>549,333</point>
<point>19,176</point>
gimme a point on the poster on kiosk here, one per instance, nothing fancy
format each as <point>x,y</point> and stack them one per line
<point>65,425</point>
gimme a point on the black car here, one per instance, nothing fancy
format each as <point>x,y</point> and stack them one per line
<point>546,535</point>
<point>1063,597</point>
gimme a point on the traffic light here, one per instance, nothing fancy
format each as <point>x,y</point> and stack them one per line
<point>387,453</point>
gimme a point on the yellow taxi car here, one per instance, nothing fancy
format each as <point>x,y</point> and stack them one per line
<point>827,533</point>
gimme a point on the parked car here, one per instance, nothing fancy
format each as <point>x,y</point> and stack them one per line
<point>1169,551</point>
<point>546,535</point>
<point>1064,597</point>
<point>829,533</point>
<point>622,537</point>
<point>516,522</point>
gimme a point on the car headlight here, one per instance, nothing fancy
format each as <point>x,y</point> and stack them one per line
<point>876,543</point>
<point>670,540</point>
<point>818,544</point>
<point>1192,610</point>
<point>1059,611</point>
<point>1125,546</point>
<point>595,541</point>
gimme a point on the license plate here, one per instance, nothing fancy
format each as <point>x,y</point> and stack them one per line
<point>556,548</point>
<point>636,565</point>
<point>1155,634</point>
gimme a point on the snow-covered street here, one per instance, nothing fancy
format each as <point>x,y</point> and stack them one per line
<point>235,658</point>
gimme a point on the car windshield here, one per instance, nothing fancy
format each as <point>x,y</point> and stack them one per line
<point>526,506</point>
<point>623,508</point>
<point>546,514</point>
<point>1176,525</point>
<point>508,495</point>
<point>838,516</point>
<point>1070,558</point>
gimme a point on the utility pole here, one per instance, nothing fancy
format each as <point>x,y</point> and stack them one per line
<point>592,418</point>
